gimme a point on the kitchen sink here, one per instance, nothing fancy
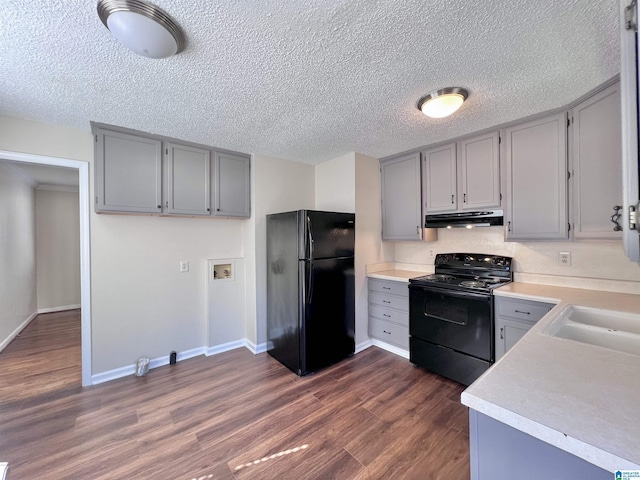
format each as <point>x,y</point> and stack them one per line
<point>617,331</point>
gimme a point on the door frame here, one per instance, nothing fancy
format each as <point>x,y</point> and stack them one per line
<point>85,244</point>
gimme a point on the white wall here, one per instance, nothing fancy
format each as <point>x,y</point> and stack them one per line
<point>335,184</point>
<point>280,186</point>
<point>17,253</point>
<point>57,248</point>
<point>141,304</point>
<point>589,260</point>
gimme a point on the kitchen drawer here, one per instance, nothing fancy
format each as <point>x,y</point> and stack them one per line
<point>522,309</point>
<point>389,332</point>
<point>393,301</point>
<point>389,286</point>
<point>389,315</point>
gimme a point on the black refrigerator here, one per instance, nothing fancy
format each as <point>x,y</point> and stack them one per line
<point>310,288</point>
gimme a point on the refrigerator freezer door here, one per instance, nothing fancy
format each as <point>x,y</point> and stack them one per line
<point>328,312</point>
<point>325,234</point>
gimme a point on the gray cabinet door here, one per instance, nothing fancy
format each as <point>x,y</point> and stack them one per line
<point>128,173</point>
<point>597,164</point>
<point>401,212</point>
<point>188,180</point>
<point>630,163</point>
<point>536,160</point>
<point>479,172</point>
<point>232,186</point>
<point>508,332</point>
<point>439,179</point>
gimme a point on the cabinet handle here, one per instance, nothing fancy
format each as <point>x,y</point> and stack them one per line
<point>464,198</point>
<point>208,209</point>
<point>526,313</point>
<point>386,301</point>
<point>159,206</point>
<point>501,333</point>
<point>452,196</point>
<point>384,331</point>
<point>167,204</point>
<point>385,315</point>
<point>217,209</point>
<point>615,217</point>
<point>509,226</point>
<point>387,288</point>
<point>418,229</point>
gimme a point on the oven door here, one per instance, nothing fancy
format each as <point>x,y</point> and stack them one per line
<point>458,320</point>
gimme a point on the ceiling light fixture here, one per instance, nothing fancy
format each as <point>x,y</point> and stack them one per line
<point>443,102</point>
<point>142,27</point>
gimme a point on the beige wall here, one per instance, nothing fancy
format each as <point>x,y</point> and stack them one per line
<point>17,253</point>
<point>57,249</point>
<point>280,186</point>
<point>335,184</point>
<point>589,260</point>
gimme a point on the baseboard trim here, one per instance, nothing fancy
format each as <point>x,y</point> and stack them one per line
<point>255,349</point>
<point>391,348</point>
<point>17,331</point>
<point>154,363</point>
<point>58,309</point>
<point>363,346</point>
<point>225,347</point>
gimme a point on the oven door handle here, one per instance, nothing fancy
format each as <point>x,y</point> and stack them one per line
<point>428,315</point>
<point>451,293</point>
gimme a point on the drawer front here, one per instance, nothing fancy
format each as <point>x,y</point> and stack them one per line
<point>389,332</point>
<point>393,301</point>
<point>387,286</point>
<point>532,311</point>
<point>389,315</point>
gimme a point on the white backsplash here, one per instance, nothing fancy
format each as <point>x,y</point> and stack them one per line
<point>535,262</point>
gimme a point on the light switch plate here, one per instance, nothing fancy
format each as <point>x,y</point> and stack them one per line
<point>184,266</point>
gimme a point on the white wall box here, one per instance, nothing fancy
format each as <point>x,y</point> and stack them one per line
<point>188,180</point>
<point>401,212</point>
<point>596,164</point>
<point>131,176</point>
<point>225,304</point>
<point>389,311</point>
<point>128,173</point>
<point>629,101</point>
<point>232,186</point>
<point>514,318</point>
<point>536,167</point>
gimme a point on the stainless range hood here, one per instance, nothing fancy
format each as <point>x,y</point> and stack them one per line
<point>485,218</point>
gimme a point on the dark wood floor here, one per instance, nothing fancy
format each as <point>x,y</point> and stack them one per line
<point>230,416</point>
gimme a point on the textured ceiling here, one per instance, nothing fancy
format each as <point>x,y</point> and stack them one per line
<point>307,80</point>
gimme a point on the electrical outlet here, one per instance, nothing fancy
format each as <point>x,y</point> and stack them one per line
<point>184,266</point>
<point>564,259</point>
<point>432,253</point>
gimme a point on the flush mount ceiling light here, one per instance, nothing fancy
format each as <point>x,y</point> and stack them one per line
<point>141,27</point>
<point>443,102</point>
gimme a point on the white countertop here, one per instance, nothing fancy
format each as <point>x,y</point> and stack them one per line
<point>396,275</point>
<point>581,398</point>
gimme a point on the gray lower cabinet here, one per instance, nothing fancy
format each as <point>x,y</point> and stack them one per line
<point>232,185</point>
<point>188,180</point>
<point>536,161</point>
<point>500,452</point>
<point>389,312</point>
<point>401,201</point>
<point>513,319</point>
<point>128,173</point>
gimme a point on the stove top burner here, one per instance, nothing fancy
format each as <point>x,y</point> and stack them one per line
<point>473,284</point>
<point>439,277</point>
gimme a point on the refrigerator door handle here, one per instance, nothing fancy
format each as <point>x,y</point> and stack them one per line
<point>310,236</point>
<point>310,296</point>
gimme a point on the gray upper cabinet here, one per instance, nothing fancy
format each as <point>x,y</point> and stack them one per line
<point>128,173</point>
<point>188,180</point>
<point>401,212</point>
<point>597,164</point>
<point>439,179</point>
<point>479,172</point>
<point>232,186</point>
<point>536,161</point>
